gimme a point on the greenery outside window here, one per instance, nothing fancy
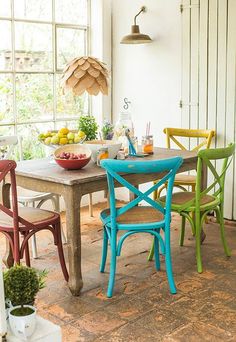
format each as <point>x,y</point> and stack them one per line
<point>37,39</point>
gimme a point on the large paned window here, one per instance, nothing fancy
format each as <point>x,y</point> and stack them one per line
<point>37,39</point>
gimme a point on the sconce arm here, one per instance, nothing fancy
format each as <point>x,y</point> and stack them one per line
<point>143,9</point>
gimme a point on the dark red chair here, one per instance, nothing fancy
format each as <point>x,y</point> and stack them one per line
<point>25,221</point>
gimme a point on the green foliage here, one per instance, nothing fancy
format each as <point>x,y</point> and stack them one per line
<point>88,125</point>
<point>22,284</point>
<point>107,130</point>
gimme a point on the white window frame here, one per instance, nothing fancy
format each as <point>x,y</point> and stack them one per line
<point>54,72</point>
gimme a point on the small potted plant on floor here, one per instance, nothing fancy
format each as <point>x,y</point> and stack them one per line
<point>88,125</point>
<point>21,285</point>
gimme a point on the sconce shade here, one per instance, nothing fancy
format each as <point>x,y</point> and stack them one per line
<point>85,74</point>
<point>136,37</point>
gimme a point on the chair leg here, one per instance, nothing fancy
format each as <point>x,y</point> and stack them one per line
<point>61,253</point>
<point>151,253</point>
<point>104,251</point>
<point>33,240</point>
<point>91,205</point>
<point>159,190</point>
<point>222,233</point>
<point>56,205</point>
<point>112,265</point>
<point>157,254</point>
<point>198,229</point>
<point>27,255</point>
<point>154,193</point>
<point>34,247</point>
<point>168,263</point>
<point>183,221</point>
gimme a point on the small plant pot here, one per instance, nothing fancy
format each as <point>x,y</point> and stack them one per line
<point>22,321</point>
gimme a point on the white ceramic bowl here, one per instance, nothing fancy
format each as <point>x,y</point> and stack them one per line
<point>95,145</point>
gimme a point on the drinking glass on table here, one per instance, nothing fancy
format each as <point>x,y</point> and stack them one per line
<point>147,144</point>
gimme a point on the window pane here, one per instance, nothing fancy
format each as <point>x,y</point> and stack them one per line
<point>69,105</point>
<point>6,99</point>
<point>33,44</point>
<point>71,11</point>
<point>5,45</point>
<point>5,8</point>
<point>70,44</point>
<point>33,9</point>
<point>31,146</point>
<point>34,97</point>
<point>73,124</point>
<point>6,130</point>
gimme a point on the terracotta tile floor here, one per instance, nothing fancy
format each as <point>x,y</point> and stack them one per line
<point>142,309</point>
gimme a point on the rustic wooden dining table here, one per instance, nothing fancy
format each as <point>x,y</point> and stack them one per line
<point>43,175</point>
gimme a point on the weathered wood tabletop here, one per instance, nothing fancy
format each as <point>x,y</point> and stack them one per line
<point>41,175</point>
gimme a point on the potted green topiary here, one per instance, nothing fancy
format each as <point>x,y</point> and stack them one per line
<point>88,125</point>
<point>21,286</point>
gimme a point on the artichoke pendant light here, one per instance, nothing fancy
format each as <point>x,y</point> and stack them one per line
<point>136,37</point>
<point>85,74</point>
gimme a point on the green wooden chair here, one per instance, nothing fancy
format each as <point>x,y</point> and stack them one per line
<point>202,202</point>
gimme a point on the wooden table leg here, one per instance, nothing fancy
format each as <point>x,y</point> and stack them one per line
<point>72,199</point>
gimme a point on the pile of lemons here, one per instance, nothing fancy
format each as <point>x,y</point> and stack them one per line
<point>62,137</point>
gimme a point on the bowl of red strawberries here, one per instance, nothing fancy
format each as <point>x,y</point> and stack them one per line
<point>72,157</point>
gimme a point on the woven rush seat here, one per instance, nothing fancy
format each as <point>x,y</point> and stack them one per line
<point>185,179</point>
<point>137,215</point>
<point>33,215</point>
<point>180,198</point>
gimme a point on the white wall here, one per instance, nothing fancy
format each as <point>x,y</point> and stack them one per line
<point>149,75</point>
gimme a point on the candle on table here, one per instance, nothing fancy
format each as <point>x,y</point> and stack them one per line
<point>3,322</point>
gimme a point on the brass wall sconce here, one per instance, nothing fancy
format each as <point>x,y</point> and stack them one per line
<point>136,37</point>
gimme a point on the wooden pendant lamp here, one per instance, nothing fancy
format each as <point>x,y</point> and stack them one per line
<point>85,74</point>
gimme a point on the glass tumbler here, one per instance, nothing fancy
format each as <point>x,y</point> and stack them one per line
<point>147,144</point>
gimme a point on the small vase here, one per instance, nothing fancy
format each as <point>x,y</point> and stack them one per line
<point>22,326</point>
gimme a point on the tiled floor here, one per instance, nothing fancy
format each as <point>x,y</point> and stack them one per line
<point>142,309</point>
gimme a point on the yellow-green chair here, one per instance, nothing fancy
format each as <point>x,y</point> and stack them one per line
<point>201,202</point>
<point>183,181</point>
<point>172,134</point>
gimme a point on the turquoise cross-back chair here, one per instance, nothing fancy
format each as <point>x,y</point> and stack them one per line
<point>138,219</point>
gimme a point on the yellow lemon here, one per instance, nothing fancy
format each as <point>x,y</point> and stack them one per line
<point>64,130</point>
<point>41,136</point>
<point>81,134</point>
<point>60,135</point>
<point>47,141</point>
<point>63,141</point>
<point>55,140</point>
<point>70,136</point>
<point>48,134</point>
<point>77,139</point>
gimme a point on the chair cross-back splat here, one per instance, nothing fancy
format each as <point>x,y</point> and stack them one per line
<point>172,133</point>
<point>183,180</point>
<point>25,221</point>
<point>138,219</point>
